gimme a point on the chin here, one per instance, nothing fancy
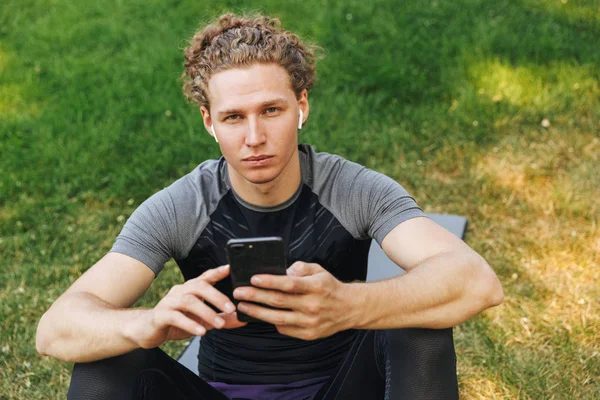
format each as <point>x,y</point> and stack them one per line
<point>261,177</point>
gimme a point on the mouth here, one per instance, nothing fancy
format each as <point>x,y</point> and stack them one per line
<point>258,161</point>
<point>257,158</point>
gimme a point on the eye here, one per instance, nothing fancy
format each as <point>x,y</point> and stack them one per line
<point>232,117</point>
<point>271,110</point>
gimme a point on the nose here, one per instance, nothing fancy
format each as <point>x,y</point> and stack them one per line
<point>256,133</point>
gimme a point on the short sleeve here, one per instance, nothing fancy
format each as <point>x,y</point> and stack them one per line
<point>380,204</point>
<point>168,223</point>
<point>148,235</point>
<point>366,202</point>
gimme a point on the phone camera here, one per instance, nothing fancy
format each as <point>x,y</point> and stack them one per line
<point>237,247</point>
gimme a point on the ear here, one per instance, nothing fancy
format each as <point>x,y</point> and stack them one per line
<point>207,119</point>
<point>303,105</point>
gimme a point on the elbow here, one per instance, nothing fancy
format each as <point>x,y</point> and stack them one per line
<point>41,347</point>
<point>495,292</point>
<point>41,338</point>
<point>48,338</point>
<point>488,289</point>
<point>47,343</point>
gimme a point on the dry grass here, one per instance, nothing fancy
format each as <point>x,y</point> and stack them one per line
<point>546,237</point>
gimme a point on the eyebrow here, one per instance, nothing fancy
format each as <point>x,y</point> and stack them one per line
<point>264,104</point>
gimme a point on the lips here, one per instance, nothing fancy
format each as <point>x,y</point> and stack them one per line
<point>259,161</point>
<point>256,158</point>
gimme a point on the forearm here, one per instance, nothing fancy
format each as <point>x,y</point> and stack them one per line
<point>441,292</point>
<point>81,327</point>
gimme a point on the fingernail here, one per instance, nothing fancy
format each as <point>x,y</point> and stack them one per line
<point>256,279</point>
<point>243,307</point>
<point>219,322</point>
<point>229,307</point>
<point>200,330</point>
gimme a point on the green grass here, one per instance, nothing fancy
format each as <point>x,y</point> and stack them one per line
<point>446,97</point>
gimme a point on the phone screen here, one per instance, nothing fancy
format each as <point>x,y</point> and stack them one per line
<point>252,256</point>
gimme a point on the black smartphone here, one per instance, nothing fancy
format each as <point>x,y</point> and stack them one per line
<point>252,256</point>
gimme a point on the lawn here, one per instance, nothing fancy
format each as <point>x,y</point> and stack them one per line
<point>485,109</point>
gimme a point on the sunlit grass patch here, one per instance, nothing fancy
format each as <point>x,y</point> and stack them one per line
<point>550,89</point>
<point>14,102</point>
<point>553,172</point>
<point>477,383</point>
<point>553,178</point>
<point>548,217</point>
<point>533,214</point>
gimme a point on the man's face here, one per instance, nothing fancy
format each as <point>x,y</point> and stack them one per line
<point>255,112</point>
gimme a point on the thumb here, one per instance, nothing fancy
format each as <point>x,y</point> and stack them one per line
<point>300,268</point>
<point>231,321</point>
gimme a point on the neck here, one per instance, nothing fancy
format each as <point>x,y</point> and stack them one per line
<point>269,194</point>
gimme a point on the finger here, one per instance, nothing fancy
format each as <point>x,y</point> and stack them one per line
<point>284,283</point>
<point>275,317</point>
<point>179,320</point>
<point>232,321</point>
<point>297,332</point>
<point>300,268</point>
<point>205,291</point>
<point>274,298</point>
<point>190,303</point>
<point>213,275</point>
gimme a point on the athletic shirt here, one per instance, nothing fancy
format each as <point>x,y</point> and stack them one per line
<point>330,220</point>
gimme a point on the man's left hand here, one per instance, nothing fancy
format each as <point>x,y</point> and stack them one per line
<point>311,302</point>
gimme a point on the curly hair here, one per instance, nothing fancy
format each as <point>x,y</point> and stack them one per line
<point>240,41</point>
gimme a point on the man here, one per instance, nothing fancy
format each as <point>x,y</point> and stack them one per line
<point>331,335</point>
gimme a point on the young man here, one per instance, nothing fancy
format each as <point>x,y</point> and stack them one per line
<point>331,336</point>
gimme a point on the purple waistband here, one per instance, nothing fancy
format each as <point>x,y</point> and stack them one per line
<point>300,390</point>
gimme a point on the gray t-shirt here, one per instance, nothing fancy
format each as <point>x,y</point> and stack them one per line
<point>337,209</point>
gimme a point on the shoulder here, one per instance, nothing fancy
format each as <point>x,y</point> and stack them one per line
<point>321,167</point>
<point>172,218</point>
<point>203,185</point>
<point>312,156</point>
<point>323,171</point>
<point>205,174</point>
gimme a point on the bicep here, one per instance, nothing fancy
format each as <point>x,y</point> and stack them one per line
<point>117,279</point>
<point>417,239</point>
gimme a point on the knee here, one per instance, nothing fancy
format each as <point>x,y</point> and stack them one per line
<point>425,344</point>
<point>423,363</point>
<point>110,378</point>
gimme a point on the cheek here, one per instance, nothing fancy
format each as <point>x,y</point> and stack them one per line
<point>284,132</point>
<point>231,142</point>
<point>230,148</point>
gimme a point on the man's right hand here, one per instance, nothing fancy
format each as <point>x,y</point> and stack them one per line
<point>183,312</point>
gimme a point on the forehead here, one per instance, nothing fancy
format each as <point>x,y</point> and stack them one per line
<point>244,87</point>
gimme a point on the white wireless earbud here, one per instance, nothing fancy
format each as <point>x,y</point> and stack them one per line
<point>212,129</point>
<point>300,120</point>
